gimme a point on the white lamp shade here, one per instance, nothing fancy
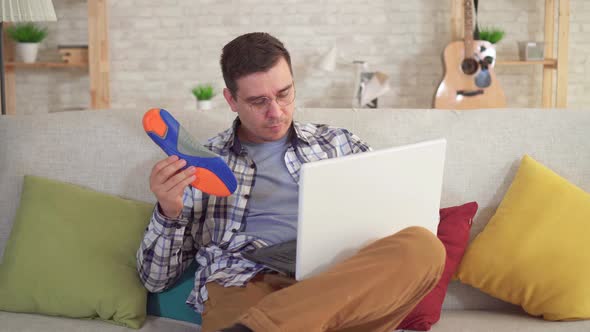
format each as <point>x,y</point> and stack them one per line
<point>377,86</point>
<point>27,11</point>
<point>328,61</point>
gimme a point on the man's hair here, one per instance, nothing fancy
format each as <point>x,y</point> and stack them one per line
<point>250,53</point>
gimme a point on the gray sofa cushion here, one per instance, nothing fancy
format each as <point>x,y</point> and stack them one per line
<point>109,151</point>
<point>451,321</point>
<point>501,321</point>
<point>13,322</point>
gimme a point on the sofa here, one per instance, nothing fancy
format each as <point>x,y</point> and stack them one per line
<point>108,151</point>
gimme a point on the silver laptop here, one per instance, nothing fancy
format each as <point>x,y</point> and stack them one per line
<point>346,203</point>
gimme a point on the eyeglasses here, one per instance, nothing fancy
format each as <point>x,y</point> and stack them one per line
<point>261,105</point>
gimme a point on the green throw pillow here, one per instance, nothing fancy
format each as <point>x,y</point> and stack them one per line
<point>71,253</point>
<point>171,303</point>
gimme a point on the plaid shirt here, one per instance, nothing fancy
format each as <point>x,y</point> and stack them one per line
<point>209,228</point>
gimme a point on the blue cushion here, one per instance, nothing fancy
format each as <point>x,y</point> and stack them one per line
<point>171,303</point>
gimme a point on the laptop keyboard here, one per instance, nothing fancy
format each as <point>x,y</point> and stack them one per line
<point>280,257</point>
<point>284,256</point>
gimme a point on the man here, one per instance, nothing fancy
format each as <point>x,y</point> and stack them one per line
<point>372,291</point>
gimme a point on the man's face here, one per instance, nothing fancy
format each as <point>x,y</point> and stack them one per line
<point>258,102</point>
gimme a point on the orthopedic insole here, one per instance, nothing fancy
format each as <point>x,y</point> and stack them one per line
<point>213,175</point>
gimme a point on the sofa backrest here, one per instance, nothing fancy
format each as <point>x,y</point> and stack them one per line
<point>109,152</point>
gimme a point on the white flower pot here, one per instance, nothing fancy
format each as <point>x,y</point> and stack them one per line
<point>27,52</point>
<point>204,105</point>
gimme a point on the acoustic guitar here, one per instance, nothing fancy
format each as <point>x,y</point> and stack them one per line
<point>469,81</point>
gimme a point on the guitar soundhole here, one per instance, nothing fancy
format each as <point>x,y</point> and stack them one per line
<point>469,66</point>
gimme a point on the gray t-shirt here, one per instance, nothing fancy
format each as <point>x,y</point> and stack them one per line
<point>273,203</point>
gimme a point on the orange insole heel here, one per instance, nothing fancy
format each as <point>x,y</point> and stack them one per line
<point>153,122</point>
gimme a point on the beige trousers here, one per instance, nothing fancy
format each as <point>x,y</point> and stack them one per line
<point>373,290</point>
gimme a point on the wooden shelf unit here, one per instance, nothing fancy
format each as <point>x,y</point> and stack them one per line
<point>546,62</point>
<point>553,63</point>
<point>97,66</point>
<point>45,65</point>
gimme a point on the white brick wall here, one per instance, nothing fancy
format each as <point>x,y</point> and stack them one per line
<point>160,49</point>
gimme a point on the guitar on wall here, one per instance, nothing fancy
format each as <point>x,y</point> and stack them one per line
<point>469,81</point>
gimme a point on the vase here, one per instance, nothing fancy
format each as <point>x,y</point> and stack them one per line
<point>27,52</point>
<point>204,105</point>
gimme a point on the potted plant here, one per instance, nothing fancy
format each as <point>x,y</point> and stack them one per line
<point>204,93</point>
<point>27,37</point>
<point>492,35</point>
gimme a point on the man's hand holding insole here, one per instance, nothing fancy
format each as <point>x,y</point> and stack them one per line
<point>167,182</point>
<point>213,175</point>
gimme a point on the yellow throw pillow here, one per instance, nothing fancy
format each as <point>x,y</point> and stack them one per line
<point>535,251</point>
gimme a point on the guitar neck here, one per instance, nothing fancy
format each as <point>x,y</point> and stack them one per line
<point>468,39</point>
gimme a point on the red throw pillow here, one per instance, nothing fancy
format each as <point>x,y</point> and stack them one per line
<point>453,231</point>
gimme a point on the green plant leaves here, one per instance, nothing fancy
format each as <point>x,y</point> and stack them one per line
<point>493,35</point>
<point>203,92</point>
<point>27,33</point>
